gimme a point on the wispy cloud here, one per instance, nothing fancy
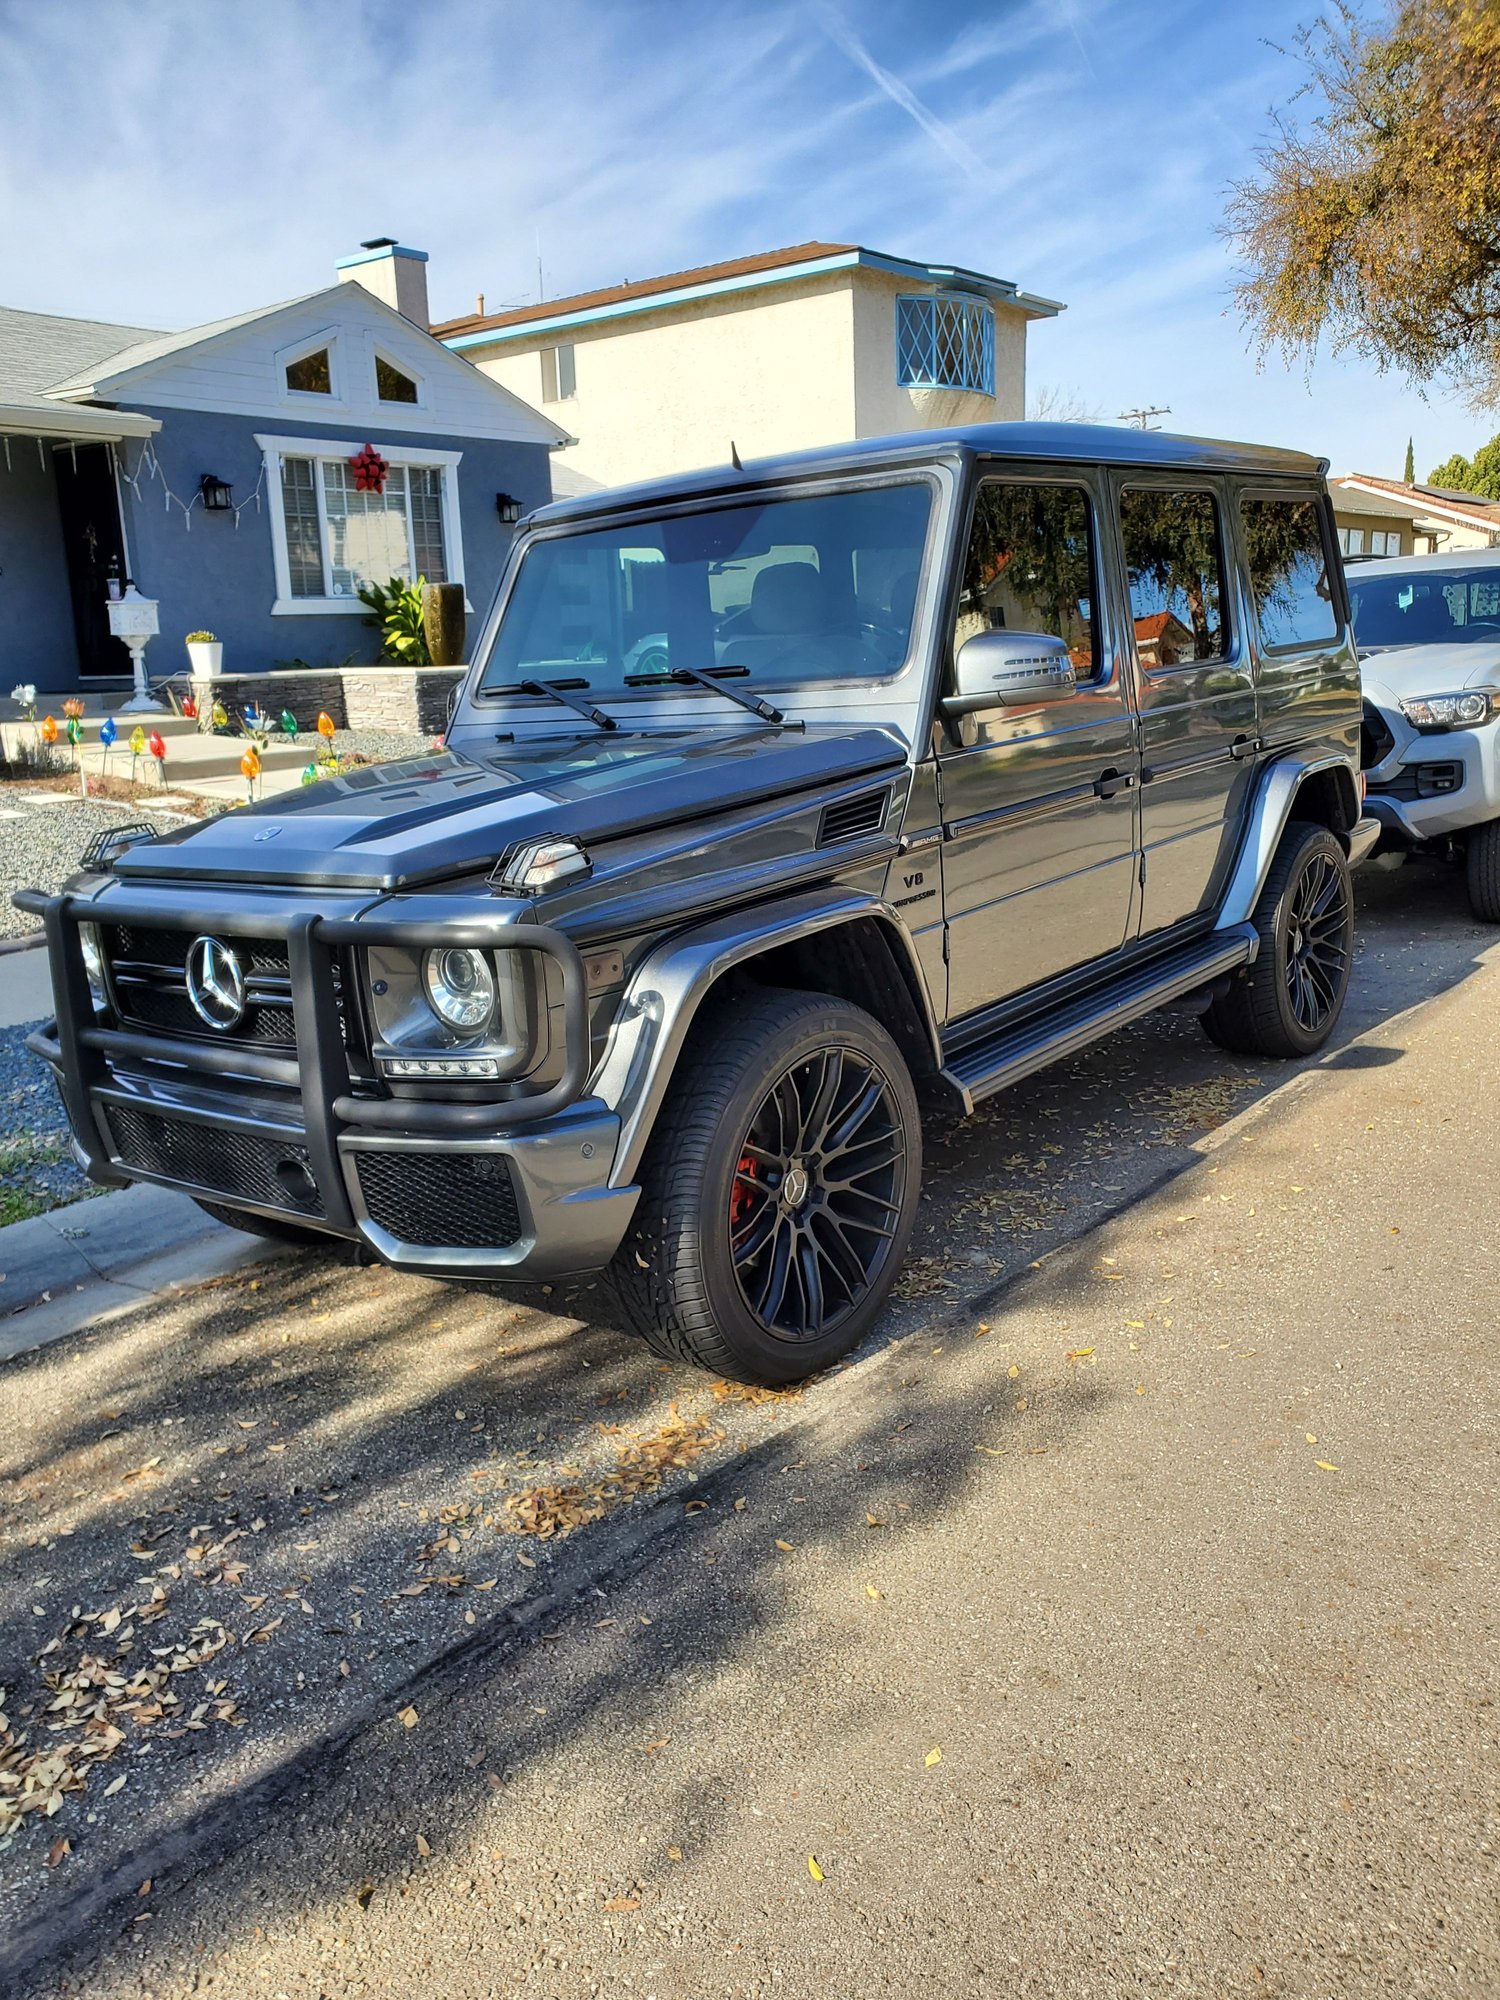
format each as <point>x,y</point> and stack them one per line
<point>901,95</point>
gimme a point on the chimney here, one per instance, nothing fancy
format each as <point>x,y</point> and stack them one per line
<point>393,273</point>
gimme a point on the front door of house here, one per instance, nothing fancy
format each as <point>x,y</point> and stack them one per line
<point>92,537</point>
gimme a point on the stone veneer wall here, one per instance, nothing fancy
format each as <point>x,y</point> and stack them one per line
<point>413,700</point>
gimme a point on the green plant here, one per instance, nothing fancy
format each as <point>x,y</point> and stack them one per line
<point>398,613</point>
<point>201,639</point>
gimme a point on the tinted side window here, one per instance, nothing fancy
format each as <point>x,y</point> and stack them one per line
<point>1289,572</point>
<point>1030,568</point>
<point>1175,568</point>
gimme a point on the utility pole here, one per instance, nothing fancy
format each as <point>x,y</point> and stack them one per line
<point>1142,418</point>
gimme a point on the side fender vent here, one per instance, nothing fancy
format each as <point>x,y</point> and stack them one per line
<point>852,818</point>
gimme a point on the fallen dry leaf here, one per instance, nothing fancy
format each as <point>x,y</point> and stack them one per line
<point>408,1717</point>
<point>934,1756</point>
<point>623,1903</point>
<point>1323,1465</point>
<point>813,1869</point>
<point>787,1546</point>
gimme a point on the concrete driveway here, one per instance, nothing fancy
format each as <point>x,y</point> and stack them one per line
<point>478,1675</point>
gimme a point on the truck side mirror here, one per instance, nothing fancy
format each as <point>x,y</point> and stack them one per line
<point>1009,670</point>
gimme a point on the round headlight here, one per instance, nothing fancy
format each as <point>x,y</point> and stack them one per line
<point>460,987</point>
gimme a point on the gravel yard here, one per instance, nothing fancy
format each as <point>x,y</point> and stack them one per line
<point>41,844</point>
<point>36,1168</point>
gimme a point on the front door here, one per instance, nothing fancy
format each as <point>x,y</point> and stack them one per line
<point>1038,802</point>
<point>1196,693</point>
<point>90,509</point>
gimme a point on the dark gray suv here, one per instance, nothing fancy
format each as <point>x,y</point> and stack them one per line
<point>774,795</point>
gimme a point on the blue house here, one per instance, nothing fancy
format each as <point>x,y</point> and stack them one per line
<point>217,469</point>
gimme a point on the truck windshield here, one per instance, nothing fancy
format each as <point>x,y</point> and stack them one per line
<point>1425,608</point>
<point>793,590</point>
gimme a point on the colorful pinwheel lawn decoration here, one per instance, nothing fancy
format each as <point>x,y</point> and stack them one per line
<point>369,470</point>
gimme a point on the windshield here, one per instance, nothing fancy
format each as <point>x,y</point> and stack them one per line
<point>815,589</point>
<point>1434,607</point>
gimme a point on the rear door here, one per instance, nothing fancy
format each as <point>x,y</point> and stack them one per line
<point>1195,686</point>
<point>1038,803</point>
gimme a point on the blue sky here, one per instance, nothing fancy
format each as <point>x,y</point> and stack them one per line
<point>173,163</point>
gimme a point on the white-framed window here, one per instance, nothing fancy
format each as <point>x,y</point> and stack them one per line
<point>395,383</point>
<point>309,371</point>
<point>559,373</point>
<point>945,341</point>
<point>329,538</point>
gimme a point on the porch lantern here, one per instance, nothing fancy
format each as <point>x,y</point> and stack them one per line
<point>217,494</point>
<point>508,508</point>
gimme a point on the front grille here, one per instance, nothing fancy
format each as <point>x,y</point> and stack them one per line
<point>467,1200</point>
<point>1375,739</point>
<point>148,973</point>
<point>240,1166</point>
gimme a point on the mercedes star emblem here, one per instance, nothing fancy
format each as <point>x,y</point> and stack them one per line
<point>215,982</point>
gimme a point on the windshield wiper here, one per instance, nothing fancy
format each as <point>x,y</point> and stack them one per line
<point>714,682</point>
<point>559,691</point>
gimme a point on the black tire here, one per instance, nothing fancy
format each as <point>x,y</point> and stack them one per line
<point>1289,1001</point>
<point>1482,871</point>
<point>746,1256</point>
<point>280,1229</point>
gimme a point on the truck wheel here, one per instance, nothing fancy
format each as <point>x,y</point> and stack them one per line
<point>1290,1001</point>
<point>778,1191</point>
<point>1482,868</point>
<point>279,1230</point>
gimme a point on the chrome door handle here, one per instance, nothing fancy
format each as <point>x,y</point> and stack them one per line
<point>1243,747</point>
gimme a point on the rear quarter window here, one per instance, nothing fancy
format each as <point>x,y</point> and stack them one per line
<point>1287,560</point>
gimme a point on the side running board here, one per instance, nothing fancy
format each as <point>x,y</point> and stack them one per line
<point>996,1061</point>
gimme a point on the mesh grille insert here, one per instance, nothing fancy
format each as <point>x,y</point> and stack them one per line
<point>216,1159</point>
<point>467,1200</point>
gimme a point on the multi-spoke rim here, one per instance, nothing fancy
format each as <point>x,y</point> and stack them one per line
<point>819,1183</point>
<point>1317,942</point>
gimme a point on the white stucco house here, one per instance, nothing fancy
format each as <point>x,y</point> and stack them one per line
<point>792,348</point>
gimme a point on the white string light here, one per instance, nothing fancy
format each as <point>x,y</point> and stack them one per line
<point>149,466</point>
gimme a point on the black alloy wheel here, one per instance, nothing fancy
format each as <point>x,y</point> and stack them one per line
<point>818,1193</point>
<point>778,1191</point>
<point>1289,1001</point>
<point>1317,946</point>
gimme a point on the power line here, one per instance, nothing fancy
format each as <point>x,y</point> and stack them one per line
<point>1142,418</point>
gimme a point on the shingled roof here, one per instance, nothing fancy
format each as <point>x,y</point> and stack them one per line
<point>645,288</point>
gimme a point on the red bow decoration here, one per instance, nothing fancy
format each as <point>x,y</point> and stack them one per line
<point>369,470</point>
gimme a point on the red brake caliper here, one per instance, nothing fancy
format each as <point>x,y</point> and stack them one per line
<point>739,1197</point>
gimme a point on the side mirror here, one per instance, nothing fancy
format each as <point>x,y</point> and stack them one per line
<point>1009,670</point>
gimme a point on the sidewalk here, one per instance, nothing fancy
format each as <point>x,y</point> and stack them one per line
<point>103,1256</point>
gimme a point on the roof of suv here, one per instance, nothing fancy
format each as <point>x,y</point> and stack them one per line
<point>1438,564</point>
<point>1078,444</point>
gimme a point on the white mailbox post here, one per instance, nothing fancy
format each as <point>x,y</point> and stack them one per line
<point>133,619</point>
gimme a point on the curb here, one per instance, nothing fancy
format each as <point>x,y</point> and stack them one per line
<point>76,1267</point>
<point>31,941</point>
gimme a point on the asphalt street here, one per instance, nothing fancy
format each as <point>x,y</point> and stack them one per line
<point>1118,1623</point>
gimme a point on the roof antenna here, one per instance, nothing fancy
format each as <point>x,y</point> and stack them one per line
<point>734,456</point>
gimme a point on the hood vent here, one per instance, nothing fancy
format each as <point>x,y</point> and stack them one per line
<point>852,818</point>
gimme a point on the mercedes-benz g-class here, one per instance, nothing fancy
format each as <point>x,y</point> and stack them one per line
<point>774,795</point>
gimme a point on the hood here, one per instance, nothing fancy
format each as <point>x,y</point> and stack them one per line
<point>1442,668</point>
<point>394,826</point>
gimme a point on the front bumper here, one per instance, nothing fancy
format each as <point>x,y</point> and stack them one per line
<point>1428,784</point>
<point>501,1188</point>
